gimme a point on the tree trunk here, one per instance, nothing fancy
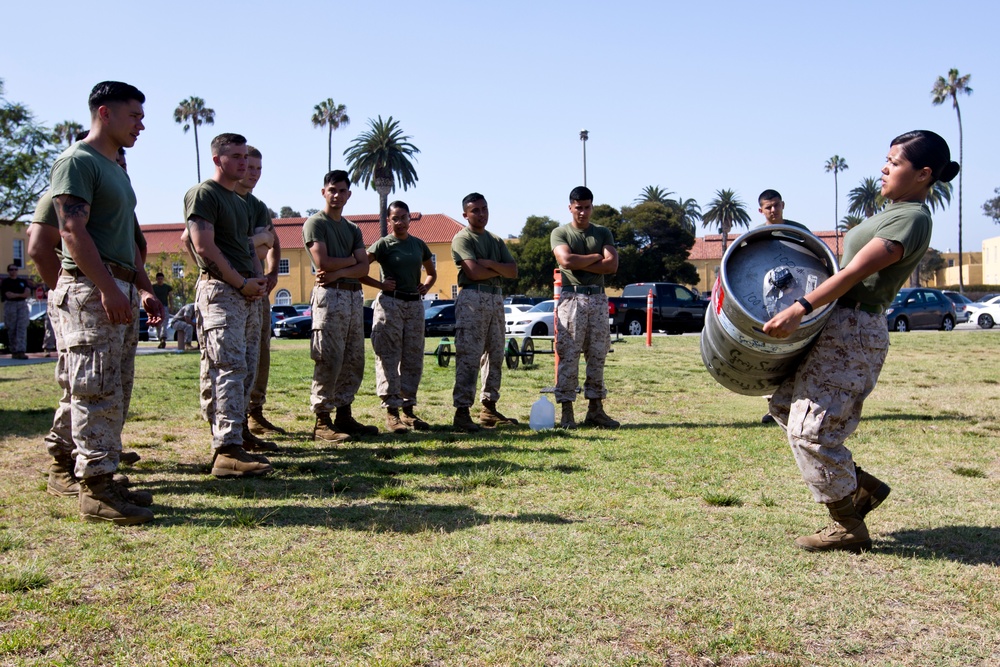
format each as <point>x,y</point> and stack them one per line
<point>383,216</point>
<point>329,150</point>
<point>961,268</point>
<point>197,155</point>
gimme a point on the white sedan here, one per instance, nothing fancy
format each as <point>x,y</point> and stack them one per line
<point>511,311</point>
<point>988,315</point>
<point>534,322</point>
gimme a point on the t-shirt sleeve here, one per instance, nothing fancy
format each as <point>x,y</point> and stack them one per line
<point>462,248</point>
<point>310,232</point>
<point>425,252</point>
<point>359,239</point>
<point>608,239</point>
<point>200,203</point>
<point>376,249</point>
<point>558,237</point>
<point>909,232</point>
<point>505,256</point>
<point>72,176</point>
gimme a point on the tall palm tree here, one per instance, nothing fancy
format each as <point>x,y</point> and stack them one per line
<point>692,212</point>
<point>330,114</point>
<point>940,196</point>
<point>653,193</point>
<point>66,131</point>
<point>943,89</point>
<point>849,222</point>
<point>380,157</point>
<point>866,199</point>
<point>725,211</point>
<point>836,164</point>
<point>192,112</point>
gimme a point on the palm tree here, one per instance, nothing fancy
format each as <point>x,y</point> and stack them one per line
<point>380,157</point>
<point>653,193</point>
<point>940,196</point>
<point>849,222</point>
<point>952,87</point>
<point>329,113</point>
<point>66,131</point>
<point>692,212</point>
<point>866,199</point>
<point>725,211</point>
<point>193,112</point>
<point>836,164</point>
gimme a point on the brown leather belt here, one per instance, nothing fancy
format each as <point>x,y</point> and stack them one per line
<point>119,272</point>
<point>350,287</point>
<point>402,296</point>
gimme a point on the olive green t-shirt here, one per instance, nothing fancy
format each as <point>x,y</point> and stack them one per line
<point>590,241</point>
<point>907,223</point>
<point>260,217</point>
<point>469,245</point>
<point>230,218</point>
<point>45,214</point>
<point>401,260</point>
<point>83,172</point>
<point>341,237</point>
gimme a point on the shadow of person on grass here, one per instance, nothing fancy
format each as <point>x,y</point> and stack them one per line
<point>971,545</point>
<point>25,423</point>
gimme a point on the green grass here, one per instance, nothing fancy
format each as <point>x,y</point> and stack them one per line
<point>668,542</point>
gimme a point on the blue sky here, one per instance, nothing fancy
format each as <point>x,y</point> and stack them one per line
<point>693,97</point>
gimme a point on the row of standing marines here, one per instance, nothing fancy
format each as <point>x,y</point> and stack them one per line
<point>100,279</point>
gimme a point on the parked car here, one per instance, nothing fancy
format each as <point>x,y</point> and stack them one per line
<point>676,309</point>
<point>300,326</point>
<point>440,320</point>
<point>987,316</point>
<point>920,308</point>
<point>534,322</point>
<point>431,303</point>
<point>302,308</point>
<point>521,299</point>
<point>964,306</point>
<point>513,311</point>
<point>285,311</point>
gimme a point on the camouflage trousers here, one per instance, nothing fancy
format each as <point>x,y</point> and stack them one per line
<point>49,341</point>
<point>479,346</point>
<point>15,318</point>
<point>229,330</point>
<point>258,395</point>
<point>59,440</point>
<point>337,347</point>
<point>820,405</point>
<point>98,360</point>
<point>582,327</point>
<point>398,341</point>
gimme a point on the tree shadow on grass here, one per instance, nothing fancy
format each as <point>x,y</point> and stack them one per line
<point>971,545</point>
<point>26,423</point>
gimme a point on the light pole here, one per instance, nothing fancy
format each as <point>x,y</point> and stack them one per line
<point>584,135</point>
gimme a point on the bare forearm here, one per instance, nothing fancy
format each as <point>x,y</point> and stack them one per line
<point>85,255</point>
<point>573,262</point>
<point>42,242</point>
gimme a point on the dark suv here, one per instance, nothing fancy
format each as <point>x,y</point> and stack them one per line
<point>920,308</point>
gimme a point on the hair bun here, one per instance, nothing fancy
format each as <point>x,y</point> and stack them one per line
<point>949,171</point>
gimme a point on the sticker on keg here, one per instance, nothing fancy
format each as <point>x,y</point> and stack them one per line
<point>758,345</point>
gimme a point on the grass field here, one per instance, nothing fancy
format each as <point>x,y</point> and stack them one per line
<point>668,542</point>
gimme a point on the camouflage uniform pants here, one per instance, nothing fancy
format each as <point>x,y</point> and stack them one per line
<point>398,341</point>
<point>258,395</point>
<point>100,366</point>
<point>820,406</point>
<point>479,346</point>
<point>59,441</point>
<point>230,344</point>
<point>582,327</point>
<point>337,347</point>
<point>49,342</point>
<point>15,317</point>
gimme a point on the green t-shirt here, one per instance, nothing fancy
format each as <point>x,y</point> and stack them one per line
<point>469,245</point>
<point>260,217</point>
<point>83,172</point>
<point>590,241</point>
<point>907,223</point>
<point>341,237</point>
<point>228,215</point>
<point>45,214</point>
<point>401,260</point>
<point>786,221</point>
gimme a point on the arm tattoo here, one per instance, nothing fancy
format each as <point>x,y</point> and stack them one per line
<point>213,268</point>
<point>890,246</point>
<point>69,207</point>
<point>200,224</point>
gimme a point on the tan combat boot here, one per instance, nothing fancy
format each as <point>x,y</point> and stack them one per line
<point>346,423</point>
<point>597,417</point>
<point>393,421</point>
<point>129,458</point>
<point>490,416</point>
<point>870,493</point>
<point>234,461</point>
<point>463,421</point>
<point>325,430</point>
<point>412,420</point>
<point>62,480</point>
<point>567,420</point>
<point>103,500</point>
<point>252,443</point>
<point>259,424</point>
<point>846,532</point>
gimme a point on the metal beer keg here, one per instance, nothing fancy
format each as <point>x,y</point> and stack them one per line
<point>763,272</point>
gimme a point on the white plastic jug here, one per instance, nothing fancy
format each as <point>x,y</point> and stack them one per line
<point>543,414</point>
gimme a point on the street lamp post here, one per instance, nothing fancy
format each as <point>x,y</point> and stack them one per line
<point>584,135</point>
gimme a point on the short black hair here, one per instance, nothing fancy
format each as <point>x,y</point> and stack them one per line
<point>113,91</point>
<point>225,140</point>
<point>80,136</point>
<point>159,274</point>
<point>581,193</point>
<point>768,195</point>
<point>471,197</point>
<point>337,176</point>
<point>398,204</point>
